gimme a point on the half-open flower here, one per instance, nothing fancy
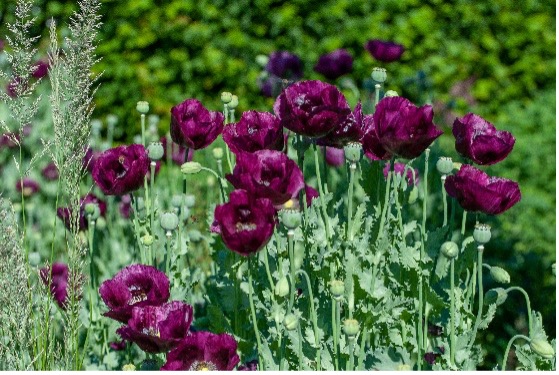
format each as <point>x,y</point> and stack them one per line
<point>334,64</point>
<point>267,174</point>
<point>311,108</point>
<point>136,285</point>
<point>384,51</point>
<point>156,329</point>
<point>27,186</point>
<point>478,140</point>
<point>203,351</point>
<point>41,68</point>
<point>58,280</point>
<point>65,213</point>
<point>255,131</point>
<point>245,223</point>
<point>398,128</point>
<point>477,192</point>
<point>334,156</point>
<point>193,126</point>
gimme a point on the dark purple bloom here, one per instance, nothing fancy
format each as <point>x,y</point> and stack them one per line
<point>65,213</point>
<point>384,51</point>
<point>125,206</point>
<point>310,194</point>
<point>193,126</point>
<point>255,131</point>
<point>311,108</point>
<point>201,351</point>
<point>334,64</point>
<point>477,192</point>
<point>267,174</point>
<point>349,130</point>
<point>118,346</point>
<point>121,170</point>
<point>90,158</point>
<point>478,140</point>
<point>431,357</point>
<point>435,330</point>
<point>334,156</point>
<point>284,64</point>
<point>137,285</point>
<point>177,152</point>
<point>50,172</point>
<point>249,366</point>
<point>58,281</point>
<point>156,329</point>
<point>28,185</point>
<point>8,140</point>
<point>399,169</point>
<point>13,87</point>
<point>41,69</point>
<point>245,223</point>
<point>398,128</point>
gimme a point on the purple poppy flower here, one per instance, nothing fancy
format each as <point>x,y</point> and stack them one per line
<point>177,152</point>
<point>431,357</point>
<point>8,140</point>
<point>334,156</point>
<point>334,64</point>
<point>284,64</point>
<point>245,223</point>
<point>399,169</point>
<point>65,213</point>
<point>478,140</point>
<point>398,128</point>
<point>41,69</point>
<point>203,351</point>
<point>311,108</point>
<point>125,206</point>
<point>249,366</point>
<point>310,194</point>
<point>121,170</point>
<point>193,126</point>
<point>157,329</point>
<point>28,185</point>
<point>118,345</point>
<point>50,172</point>
<point>255,131</point>
<point>58,281</point>
<point>137,285</point>
<point>13,86</point>
<point>267,174</point>
<point>349,130</point>
<point>384,51</point>
<point>435,330</point>
<point>90,158</point>
<point>477,192</point>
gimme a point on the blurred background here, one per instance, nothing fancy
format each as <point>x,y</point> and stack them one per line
<point>496,59</point>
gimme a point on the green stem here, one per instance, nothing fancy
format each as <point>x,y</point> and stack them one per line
<point>528,306</point>
<point>143,122</point>
<point>480,293</point>
<point>290,242</point>
<point>377,94</point>
<point>385,207</point>
<point>253,314</point>
<point>463,228</point>
<point>509,345</point>
<point>268,273</point>
<point>322,201</point>
<point>421,257</point>
<point>398,205</point>
<point>349,364</point>
<point>313,319</point>
<point>152,196</point>
<point>300,351</point>
<point>167,251</point>
<point>352,167</point>
<point>452,314</point>
<point>445,205</point>
<point>338,328</point>
<point>360,359</point>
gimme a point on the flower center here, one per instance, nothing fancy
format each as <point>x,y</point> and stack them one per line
<point>138,295</point>
<point>202,366</point>
<point>151,331</point>
<point>244,226</point>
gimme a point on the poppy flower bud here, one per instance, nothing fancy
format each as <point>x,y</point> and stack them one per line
<point>217,153</point>
<point>482,233</point>
<point>147,240</point>
<point>351,328</point>
<point>353,152</point>
<point>129,367</point>
<point>282,287</point>
<point>290,218</point>
<point>92,211</point>
<point>543,348</point>
<point>191,167</point>
<point>389,94</point>
<point>169,221</point>
<point>449,249</point>
<point>445,165</point>
<point>226,97</point>
<point>337,288</point>
<point>142,107</point>
<point>495,295</point>
<point>500,275</point>
<point>290,322</point>
<point>414,193</point>
<point>155,151</point>
<point>234,102</point>
<point>379,75</point>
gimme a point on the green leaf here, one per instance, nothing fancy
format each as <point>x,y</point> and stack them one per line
<point>489,315</point>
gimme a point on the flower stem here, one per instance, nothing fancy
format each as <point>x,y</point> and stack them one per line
<point>313,319</point>
<point>300,354</point>
<point>361,357</point>
<point>290,242</point>
<point>452,314</point>
<point>377,94</point>
<point>385,207</point>
<point>480,292</point>
<point>253,314</point>
<point>143,122</point>
<point>152,195</point>
<point>352,168</point>
<point>167,251</point>
<point>528,306</point>
<point>509,345</point>
<point>445,205</point>
<point>421,257</point>
<point>349,364</point>
<point>322,202</point>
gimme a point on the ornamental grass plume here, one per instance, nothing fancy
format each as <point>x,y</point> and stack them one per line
<point>384,51</point>
<point>193,126</point>
<point>335,64</point>
<point>56,278</point>
<point>255,131</point>
<point>65,213</point>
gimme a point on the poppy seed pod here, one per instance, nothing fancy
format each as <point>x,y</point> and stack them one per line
<point>156,151</point>
<point>217,153</point>
<point>482,233</point>
<point>291,218</point>
<point>351,328</point>
<point>226,97</point>
<point>147,240</point>
<point>500,275</point>
<point>390,93</point>
<point>445,165</point>
<point>379,75</point>
<point>353,151</point>
<point>449,249</point>
<point>337,289</point>
<point>142,107</point>
<point>290,322</point>
<point>234,103</point>
<point>169,221</point>
<point>92,211</point>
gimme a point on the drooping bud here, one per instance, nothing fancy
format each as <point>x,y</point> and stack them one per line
<point>445,165</point>
<point>390,93</point>
<point>337,288</point>
<point>290,322</point>
<point>234,102</point>
<point>217,153</point>
<point>191,167</point>
<point>379,75</point>
<point>543,348</point>
<point>414,193</point>
<point>226,97</point>
<point>500,275</point>
<point>351,328</point>
<point>282,287</point>
<point>353,152</point>
<point>449,249</point>
<point>142,107</point>
<point>169,221</point>
<point>495,295</point>
<point>291,218</point>
<point>482,233</point>
<point>155,151</point>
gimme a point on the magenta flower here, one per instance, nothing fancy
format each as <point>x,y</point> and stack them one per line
<point>284,64</point>
<point>157,329</point>
<point>398,128</point>
<point>478,140</point>
<point>28,185</point>
<point>477,192</point>
<point>203,351</point>
<point>8,140</point>
<point>58,281</point>
<point>349,130</point>
<point>267,174</point>
<point>121,170</point>
<point>118,346</point>
<point>193,126</point>
<point>255,131</point>
<point>65,213</point>
<point>41,69</point>
<point>334,156</point>
<point>384,51</point>
<point>246,223</point>
<point>399,170</point>
<point>137,285</point>
<point>311,108</point>
<point>177,152</point>
<point>310,194</point>
<point>50,172</point>
<point>334,64</point>
<point>90,158</point>
<point>125,206</point>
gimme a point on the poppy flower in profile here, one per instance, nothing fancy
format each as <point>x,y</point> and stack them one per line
<point>58,281</point>
<point>28,186</point>
<point>267,174</point>
<point>310,194</point>
<point>311,108</point>
<point>284,64</point>
<point>477,192</point>
<point>335,157</point>
<point>50,172</point>
<point>65,213</point>
<point>398,128</point>
<point>245,223</point>
<point>203,351</point>
<point>478,140</point>
<point>121,170</point>
<point>156,329</point>
<point>399,169</point>
<point>193,126</point>
<point>41,69</point>
<point>334,64</point>
<point>136,285</point>
<point>384,51</point>
<point>255,131</point>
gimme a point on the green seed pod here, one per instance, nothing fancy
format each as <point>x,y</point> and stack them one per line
<point>495,295</point>
<point>217,153</point>
<point>191,167</point>
<point>34,259</point>
<point>445,165</point>
<point>92,210</point>
<point>169,221</point>
<point>142,107</point>
<point>176,201</point>
<point>101,223</point>
<point>262,60</point>
<point>129,367</point>
<point>482,233</point>
<point>112,120</point>
<point>147,240</point>
<point>390,93</point>
<point>542,348</point>
<point>414,193</point>
<point>234,102</point>
<point>291,218</point>
<point>351,328</point>
<point>226,97</point>
<point>500,275</point>
<point>282,287</point>
<point>290,322</point>
<point>379,75</point>
<point>189,201</point>
<point>337,289</point>
<point>353,152</point>
<point>403,367</point>
<point>155,151</point>
<point>449,249</point>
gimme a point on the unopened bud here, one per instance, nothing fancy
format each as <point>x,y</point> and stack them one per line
<point>414,193</point>
<point>445,165</point>
<point>147,240</point>
<point>234,102</point>
<point>290,322</point>
<point>282,287</point>
<point>191,167</point>
<point>169,221</point>
<point>351,328</point>
<point>226,97</point>
<point>449,249</point>
<point>497,296</point>
<point>218,153</point>
<point>155,151</point>
<point>262,60</point>
<point>543,348</point>
<point>142,107</point>
<point>379,75</point>
<point>482,233</point>
<point>176,201</point>
<point>403,367</point>
<point>189,200</point>
<point>500,275</point>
